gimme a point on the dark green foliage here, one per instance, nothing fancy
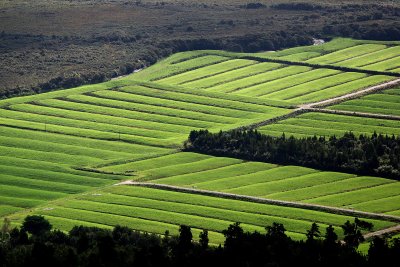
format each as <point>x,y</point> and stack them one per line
<point>36,225</point>
<point>352,232</point>
<point>90,246</point>
<point>366,155</point>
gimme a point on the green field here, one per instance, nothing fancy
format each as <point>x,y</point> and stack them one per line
<point>62,152</point>
<point>322,124</point>
<point>266,180</point>
<point>156,211</point>
<point>386,102</point>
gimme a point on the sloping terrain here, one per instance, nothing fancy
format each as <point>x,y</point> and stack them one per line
<point>62,152</point>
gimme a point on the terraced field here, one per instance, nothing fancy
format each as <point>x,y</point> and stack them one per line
<point>61,152</point>
<point>217,71</point>
<point>44,138</point>
<point>156,211</point>
<point>265,180</point>
<point>386,102</point>
<point>322,124</point>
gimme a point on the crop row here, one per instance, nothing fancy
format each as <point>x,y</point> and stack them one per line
<point>384,103</point>
<point>331,124</point>
<point>347,53</point>
<point>287,82</point>
<point>207,71</point>
<point>155,211</point>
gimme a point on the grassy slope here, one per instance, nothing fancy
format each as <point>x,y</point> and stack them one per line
<point>115,124</point>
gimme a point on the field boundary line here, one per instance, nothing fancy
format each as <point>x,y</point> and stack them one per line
<point>316,207</point>
<point>353,95</point>
<point>321,66</point>
<point>382,232</point>
<point>355,113</point>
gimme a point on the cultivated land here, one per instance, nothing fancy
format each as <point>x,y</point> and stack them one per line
<point>62,152</point>
<point>386,102</point>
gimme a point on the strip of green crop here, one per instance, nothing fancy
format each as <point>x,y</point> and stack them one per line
<point>113,148</point>
<point>42,185</point>
<point>215,174</point>
<point>287,82</point>
<point>302,56</point>
<point>36,194</point>
<point>331,188</point>
<point>46,175</point>
<point>235,85</point>
<point>173,112</point>
<point>363,61</point>
<point>204,97</point>
<point>341,89</point>
<point>84,116</point>
<point>53,118</point>
<point>358,196</point>
<point>269,187</point>
<point>232,75</point>
<point>328,124</point>
<point>5,209</point>
<point>235,205</point>
<point>20,202</point>
<point>164,69</point>
<point>365,106</point>
<point>158,162</point>
<point>188,106</point>
<point>242,180</point>
<point>386,65</point>
<point>44,146</point>
<point>68,105</point>
<point>379,205</point>
<point>347,53</point>
<point>206,71</point>
<point>315,85</point>
<point>88,133</point>
<point>191,167</point>
<point>54,157</point>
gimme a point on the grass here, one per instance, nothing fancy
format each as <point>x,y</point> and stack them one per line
<point>281,84</point>
<point>347,53</point>
<point>241,83</point>
<point>155,211</point>
<point>321,124</point>
<point>386,102</point>
<point>131,128</point>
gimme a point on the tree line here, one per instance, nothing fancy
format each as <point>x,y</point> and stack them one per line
<point>36,244</point>
<point>377,155</point>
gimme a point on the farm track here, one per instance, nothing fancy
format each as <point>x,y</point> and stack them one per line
<point>382,232</point>
<point>316,207</point>
<point>355,113</point>
<point>353,95</point>
<point>318,106</point>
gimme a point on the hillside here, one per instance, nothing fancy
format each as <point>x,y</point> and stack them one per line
<point>62,152</point>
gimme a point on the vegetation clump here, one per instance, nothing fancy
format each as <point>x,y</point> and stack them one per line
<point>122,246</point>
<point>367,155</point>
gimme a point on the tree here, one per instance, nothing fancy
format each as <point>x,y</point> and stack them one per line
<point>330,237</point>
<point>276,231</point>
<point>313,233</point>
<point>204,239</point>
<point>352,232</point>
<point>185,237</point>
<point>36,225</point>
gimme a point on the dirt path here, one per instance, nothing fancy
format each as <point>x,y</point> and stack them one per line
<point>355,113</point>
<point>348,212</point>
<point>390,230</point>
<point>353,95</point>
